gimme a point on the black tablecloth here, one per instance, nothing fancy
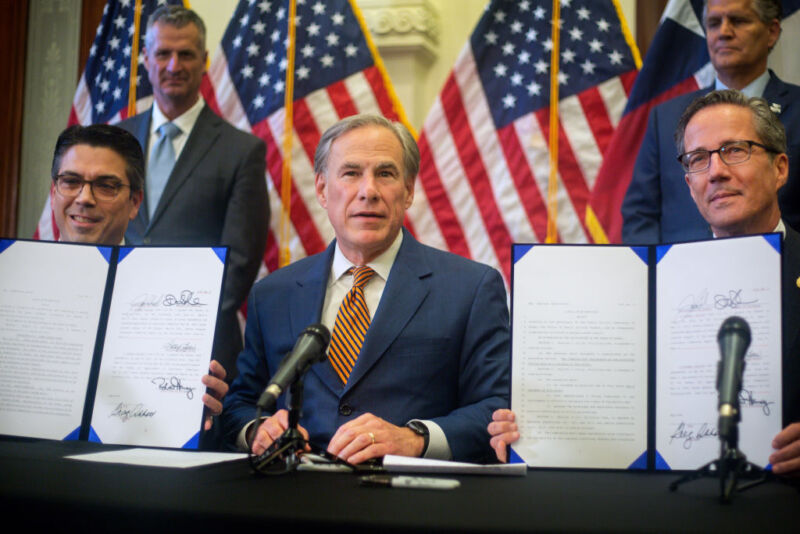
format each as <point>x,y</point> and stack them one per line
<point>38,484</point>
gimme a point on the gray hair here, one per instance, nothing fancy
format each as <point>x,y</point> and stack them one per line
<point>177,16</point>
<point>407,142</point>
<point>768,128</point>
<point>766,10</point>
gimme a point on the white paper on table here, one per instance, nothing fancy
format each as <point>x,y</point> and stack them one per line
<point>407,464</point>
<point>699,285</point>
<point>51,297</point>
<point>159,457</point>
<point>157,347</point>
<point>579,356</point>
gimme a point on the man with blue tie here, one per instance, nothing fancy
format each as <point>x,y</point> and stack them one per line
<point>205,182</point>
<point>419,356</point>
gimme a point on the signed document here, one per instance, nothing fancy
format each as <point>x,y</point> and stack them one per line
<point>579,355</point>
<point>699,285</point>
<point>157,347</point>
<point>51,297</point>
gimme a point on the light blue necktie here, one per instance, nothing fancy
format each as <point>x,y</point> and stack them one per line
<point>162,159</point>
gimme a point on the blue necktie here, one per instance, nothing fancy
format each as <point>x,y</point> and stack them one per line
<point>162,159</point>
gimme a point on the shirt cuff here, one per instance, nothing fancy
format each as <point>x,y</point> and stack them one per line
<point>438,447</point>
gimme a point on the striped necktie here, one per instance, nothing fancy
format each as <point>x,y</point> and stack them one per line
<point>352,321</point>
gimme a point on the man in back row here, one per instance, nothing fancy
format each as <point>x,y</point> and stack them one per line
<point>733,152</point>
<point>98,177</point>
<point>205,182</point>
<point>739,34</point>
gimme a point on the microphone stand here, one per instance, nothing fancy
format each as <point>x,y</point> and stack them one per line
<point>731,465</point>
<point>283,455</point>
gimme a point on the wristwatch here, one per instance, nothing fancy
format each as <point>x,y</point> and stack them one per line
<point>419,428</point>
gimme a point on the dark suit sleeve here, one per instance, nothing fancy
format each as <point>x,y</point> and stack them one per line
<point>245,232</point>
<point>484,375</point>
<point>239,404</point>
<point>641,207</point>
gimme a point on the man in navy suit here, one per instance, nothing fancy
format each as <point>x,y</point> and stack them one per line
<point>215,194</point>
<point>733,155</point>
<point>740,33</point>
<point>435,358</point>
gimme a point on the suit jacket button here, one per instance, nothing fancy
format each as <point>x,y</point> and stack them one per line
<point>345,410</point>
<point>146,240</point>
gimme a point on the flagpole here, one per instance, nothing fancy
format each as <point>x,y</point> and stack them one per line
<point>552,185</point>
<point>137,15</point>
<point>288,126</point>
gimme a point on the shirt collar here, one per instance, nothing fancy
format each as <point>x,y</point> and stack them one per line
<point>185,122</point>
<point>754,88</point>
<point>382,265</point>
<point>780,228</point>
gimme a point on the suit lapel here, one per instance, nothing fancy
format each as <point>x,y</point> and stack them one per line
<point>776,93</point>
<point>201,139</point>
<point>306,309</point>
<point>406,289</point>
<point>141,131</point>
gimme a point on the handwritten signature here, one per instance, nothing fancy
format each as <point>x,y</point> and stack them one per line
<point>732,300</point>
<point>694,302</point>
<point>185,298</point>
<point>173,383</point>
<point>171,346</point>
<point>746,398</point>
<point>146,300</point>
<point>690,436</point>
<point>125,412</point>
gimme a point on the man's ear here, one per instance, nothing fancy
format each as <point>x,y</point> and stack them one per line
<point>136,203</point>
<point>319,185</point>
<point>781,163</point>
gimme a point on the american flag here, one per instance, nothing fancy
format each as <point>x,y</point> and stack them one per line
<point>103,91</point>
<point>676,63</point>
<point>485,153</point>
<point>337,73</point>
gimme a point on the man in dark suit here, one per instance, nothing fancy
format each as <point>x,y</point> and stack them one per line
<point>435,356</point>
<point>98,177</point>
<point>215,194</point>
<point>733,154</point>
<point>740,34</point>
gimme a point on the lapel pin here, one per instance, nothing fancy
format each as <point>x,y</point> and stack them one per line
<point>775,108</point>
<point>798,281</point>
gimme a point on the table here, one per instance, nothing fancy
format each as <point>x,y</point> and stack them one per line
<point>37,483</point>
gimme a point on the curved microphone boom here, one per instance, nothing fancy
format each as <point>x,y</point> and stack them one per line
<point>733,339</point>
<point>309,349</point>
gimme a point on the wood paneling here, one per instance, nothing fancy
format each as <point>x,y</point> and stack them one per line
<point>648,15</point>
<point>13,25</point>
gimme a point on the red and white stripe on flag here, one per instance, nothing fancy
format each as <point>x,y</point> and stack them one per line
<point>485,155</point>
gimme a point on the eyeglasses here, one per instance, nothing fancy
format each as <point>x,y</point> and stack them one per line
<point>732,153</point>
<point>70,186</point>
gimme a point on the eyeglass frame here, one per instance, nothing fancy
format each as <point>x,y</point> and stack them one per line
<point>721,151</point>
<point>91,183</point>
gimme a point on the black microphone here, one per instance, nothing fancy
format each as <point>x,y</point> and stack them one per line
<point>309,349</point>
<point>733,338</point>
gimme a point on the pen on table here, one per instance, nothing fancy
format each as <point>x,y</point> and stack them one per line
<point>410,482</point>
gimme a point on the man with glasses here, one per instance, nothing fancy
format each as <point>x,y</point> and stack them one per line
<point>733,153</point>
<point>739,35</point>
<point>98,177</point>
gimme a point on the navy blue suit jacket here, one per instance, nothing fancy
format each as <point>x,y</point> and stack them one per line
<point>658,207</point>
<point>437,349</point>
<point>791,327</point>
